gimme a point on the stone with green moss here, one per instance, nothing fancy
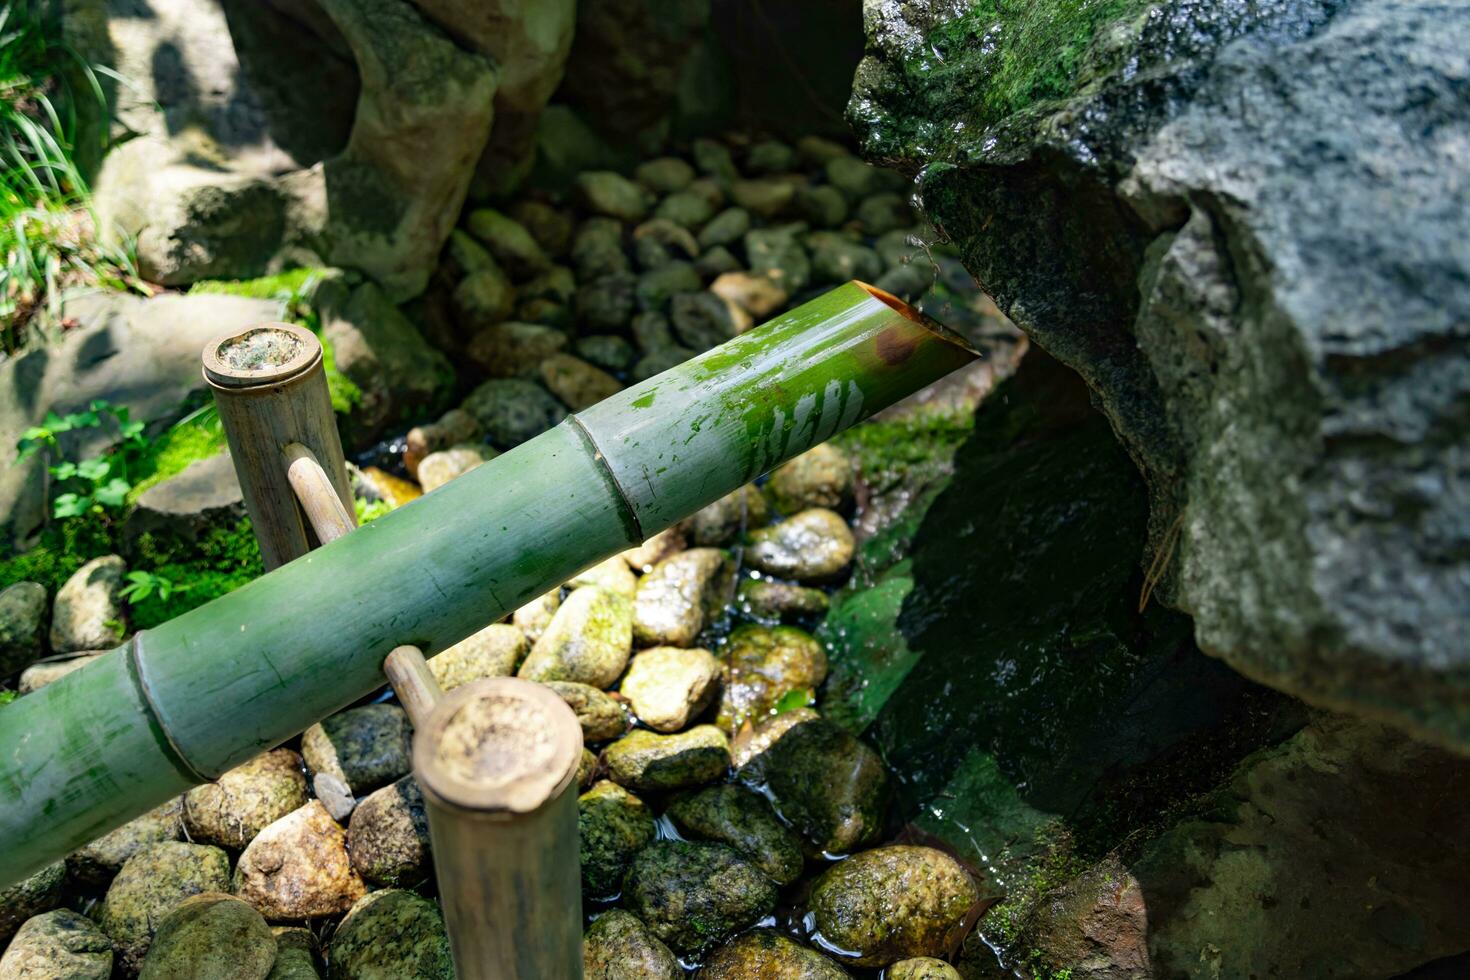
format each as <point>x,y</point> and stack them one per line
<point>695,896</point>
<point>822,206</point>
<point>815,545</point>
<point>769,600</point>
<point>657,287</point>
<point>513,410</point>
<point>211,937</point>
<point>388,836</point>
<point>725,519</point>
<point>364,747</point>
<point>296,950</point>
<point>601,715</point>
<point>664,175</point>
<point>587,641</point>
<point>831,787</point>
<point>244,801</point>
<point>509,242</point>
<point>59,945</point>
<point>645,760</point>
<point>687,208</point>
<point>30,896</point>
<point>24,607</point>
<point>893,903</point>
<point>612,825</point>
<point>768,953</point>
<point>151,885</point>
<point>836,258</point>
<point>388,935</point>
<point>619,947</point>
<point>597,249</point>
<point>551,227</point>
<point>98,861</point>
<point>922,968</point>
<point>725,228</point>
<point>495,651</point>
<point>613,195</point>
<point>820,477</point>
<point>669,686</point>
<point>777,253</point>
<point>680,596</point>
<point>743,819</point>
<point>765,666</point>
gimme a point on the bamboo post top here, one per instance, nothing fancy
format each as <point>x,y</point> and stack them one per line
<point>266,354</point>
<point>500,746</point>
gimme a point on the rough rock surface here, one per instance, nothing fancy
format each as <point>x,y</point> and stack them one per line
<point>23,617</point>
<point>388,836</point>
<point>1268,304</point>
<point>391,933</point>
<point>298,868</point>
<point>364,747</point>
<point>59,945</point>
<point>88,611</point>
<point>767,953</point>
<point>99,860</point>
<point>211,937</point>
<point>38,893</point>
<point>695,896</point>
<point>150,886</point>
<point>619,947</point>
<point>245,800</point>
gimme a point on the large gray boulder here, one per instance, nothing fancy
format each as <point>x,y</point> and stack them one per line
<point>1243,224</point>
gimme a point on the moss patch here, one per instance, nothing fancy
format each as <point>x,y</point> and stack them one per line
<point>221,561</point>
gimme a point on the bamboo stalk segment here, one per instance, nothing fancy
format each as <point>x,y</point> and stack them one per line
<point>240,675</point>
<point>326,514</point>
<point>497,764</point>
<point>413,682</point>
<point>271,391</point>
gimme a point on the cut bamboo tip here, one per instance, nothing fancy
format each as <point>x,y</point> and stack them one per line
<point>502,746</point>
<point>916,315</point>
<point>266,354</point>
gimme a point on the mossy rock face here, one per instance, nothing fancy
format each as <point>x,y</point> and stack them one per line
<point>645,760</point>
<point>295,954</point>
<point>826,783</point>
<point>245,800</point>
<point>695,896</point>
<point>388,836</point>
<point>59,945</point>
<point>619,947</point>
<point>893,903</point>
<point>36,894</point>
<point>744,820</point>
<point>151,885</point>
<point>364,747</point>
<point>764,667</point>
<point>389,935</point>
<point>767,953</point>
<point>211,937</point>
<point>587,641</point>
<point>612,825</point>
<point>601,716</point>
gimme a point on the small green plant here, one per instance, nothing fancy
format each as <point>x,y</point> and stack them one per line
<point>143,584</point>
<point>99,482</point>
<point>6,696</point>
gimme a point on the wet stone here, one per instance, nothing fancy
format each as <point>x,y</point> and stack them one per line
<point>657,287</point>
<point>586,769</point>
<point>59,945</point>
<point>509,242</point>
<point>494,651</point>
<point>907,282</point>
<point>533,618</point>
<point>769,157</point>
<point>453,428</point>
<point>438,468</point>
<point>597,249</point>
<point>513,349</point>
<point>817,150</point>
<point>606,303</point>
<point>95,863</point>
<point>725,228</point>
<point>680,596</point>
<point>716,262</point>
<point>695,896</point>
<point>485,296</point>
<point>388,935</point>
<point>607,352</point>
<point>662,545</point>
<point>765,666</point>
<point>829,786</point>
<point>767,198</point>
<point>884,213</point>
<point>758,295</point>
<point>588,640</point>
<point>211,937</point>
<point>244,801</point>
<point>613,825</point>
<point>923,968</point>
<point>744,820</point>
<point>815,545</point>
<point>388,837</point>
<point>23,608</point>
<point>88,609</point>
<point>688,208</point>
<point>607,193</point>
<point>657,362</point>
<point>512,410</point>
<point>724,520</point>
<point>30,896</point>
<point>701,320</point>
<point>822,207</point>
<point>669,686</point>
<point>644,760</point>
<point>601,715</point>
<point>664,175</point>
<point>750,743</point>
<point>713,159</point>
<point>620,947</point>
<point>364,747</point>
<point>819,477</point>
<point>577,383</point>
<point>676,241</point>
<point>298,868</point>
<point>893,903</point>
<point>767,953</point>
<point>837,258</point>
<point>765,599</point>
<point>551,227</point>
<point>151,885</point>
<point>295,954</point>
<point>652,331</point>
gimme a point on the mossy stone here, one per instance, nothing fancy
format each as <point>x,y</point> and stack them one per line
<point>831,787</point>
<point>607,351</point>
<point>23,612</point>
<point>680,596</point>
<point>509,241</point>
<point>702,320</point>
<point>657,287</point>
<point>364,747</point>
<point>295,954</point>
<point>619,947</point>
<point>30,896</point>
<point>724,520</point>
<point>823,206</point>
<point>597,249</point>
<point>765,599</point>
<point>922,968</point>
<point>388,836</point>
<point>769,157</point>
<point>390,935</point>
<point>669,686</point>
<point>494,651</point>
<point>815,545</point>
<point>97,862</point>
<point>725,228</point>
<point>151,885</point>
<point>607,302</point>
<point>607,193</point>
<point>893,903</point>
<point>764,666</point>
<point>837,258</point>
<point>612,574</point>
<point>612,825</point>
<point>576,383</point>
<point>769,198</point>
<point>883,213</point>
<point>587,641</point>
<point>601,715</point>
<point>695,896</point>
<point>513,410</point>
<point>777,253</point>
<point>247,799</point>
<point>58,945</point>
<point>211,937</point>
<point>743,819</point>
<point>664,175</point>
<point>767,953</point>
<point>511,349</point>
<point>645,760</point>
<point>687,208</point>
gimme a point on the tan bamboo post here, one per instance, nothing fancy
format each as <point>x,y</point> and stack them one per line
<point>271,392</point>
<point>497,764</point>
<point>413,682</point>
<point>327,514</point>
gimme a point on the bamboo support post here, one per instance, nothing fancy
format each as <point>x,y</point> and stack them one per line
<point>497,764</point>
<point>271,391</point>
<point>413,682</point>
<point>208,690</point>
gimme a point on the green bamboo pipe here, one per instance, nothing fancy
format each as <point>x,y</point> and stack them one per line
<point>213,688</point>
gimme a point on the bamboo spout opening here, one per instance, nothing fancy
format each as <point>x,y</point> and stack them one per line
<point>266,354</point>
<point>915,315</point>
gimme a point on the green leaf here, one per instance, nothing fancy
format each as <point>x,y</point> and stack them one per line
<point>791,700</point>
<point>71,505</point>
<point>94,469</point>
<point>113,493</point>
<point>64,470</point>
